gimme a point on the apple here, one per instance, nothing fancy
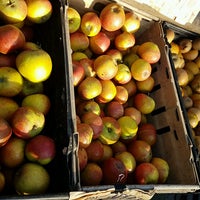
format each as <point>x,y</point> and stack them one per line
<point>7,60</point>
<point>128,160</point>
<point>123,75</point>
<point>111,130</point>
<point>141,150</point>
<point>147,132</point>
<point>95,151</point>
<point>131,87</point>
<point>38,11</point>
<point>37,182</point>
<point>85,134</point>
<point>89,88</point>
<point>112,17</point>
<point>132,22</point>
<point>13,11</point>
<point>7,107</point>
<point>41,102</point>
<point>79,41</point>
<point>134,113</point>
<point>78,55</point>
<point>162,167</point>
<point>108,91</point>
<point>121,95</point>
<point>146,85</point>
<point>29,88</point>
<point>146,173</point>
<point>11,39</point>
<point>5,132</point>
<point>82,158</point>
<point>128,126</point>
<point>99,43</point>
<point>88,106</point>
<point>27,122</point>
<point>78,72</point>
<point>12,153</point>
<point>40,149</point>
<point>91,175</point>
<point>111,34</point>
<point>114,172</point>
<point>90,23</point>
<point>144,103</point>
<point>124,41</point>
<point>30,46</point>
<point>116,55</point>
<point>34,65</point>
<point>11,82</point>
<point>107,152</point>
<point>118,147</point>
<point>95,121</point>
<point>114,109</point>
<point>130,58</point>
<point>88,65</point>
<point>74,19</point>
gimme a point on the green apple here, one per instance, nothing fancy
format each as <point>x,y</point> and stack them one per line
<point>13,11</point>
<point>11,82</point>
<point>74,19</point>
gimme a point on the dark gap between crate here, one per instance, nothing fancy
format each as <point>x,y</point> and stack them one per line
<point>158,111</point>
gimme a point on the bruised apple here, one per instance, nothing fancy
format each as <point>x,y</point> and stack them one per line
<point>89,88</point>
<point>27,122</point>
<point>40,149</point>
<point>114,172</point>
<point>141,150</point>
<point>95,151</point>
<point>146,173</point>
<point>112,17</point>
<point>91,175</point>
<point>85,134</point>
<point>5,132</point>
<point>11,38</point>
<point>95,121</point>
<point>111,130</point>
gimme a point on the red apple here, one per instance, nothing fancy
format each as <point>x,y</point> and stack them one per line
<point>85,134</point>
<point>90,24</point>
<point>111,131</point>
<point>118,147</point>
<point>5,132</point>
<point>141,150</point>
<point>162,167</point>
<point>95,121</point>
<point>147,132</point>
<point>95,151</point>
<point>27,122</point>
<point>11,38</point>
<point>40,149</point>
<point>91,175</point>
<point>121,95</point>
<point>134,113</point>
<point>146,173</point>
<point>114,109</point>
<point>131,87</point>
<point>114,172</point>
<point>79,41</point>
<point>78,72</point>
<point>99,43</point>
<point>82,158</point>
<point>124,41</point>
<point>112,17</point>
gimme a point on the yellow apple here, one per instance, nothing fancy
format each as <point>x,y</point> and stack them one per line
<point>13,11</point>
<point>74,19</point>
<point>39,11</point>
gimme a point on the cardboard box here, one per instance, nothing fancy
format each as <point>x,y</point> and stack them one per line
<point>173,143</point>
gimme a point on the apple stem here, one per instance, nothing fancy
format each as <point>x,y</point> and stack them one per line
<point>11,3</point>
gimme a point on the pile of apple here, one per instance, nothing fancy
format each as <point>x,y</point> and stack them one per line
<point>24,66</point>
<point>112,81</point>
<point>186,58</point>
